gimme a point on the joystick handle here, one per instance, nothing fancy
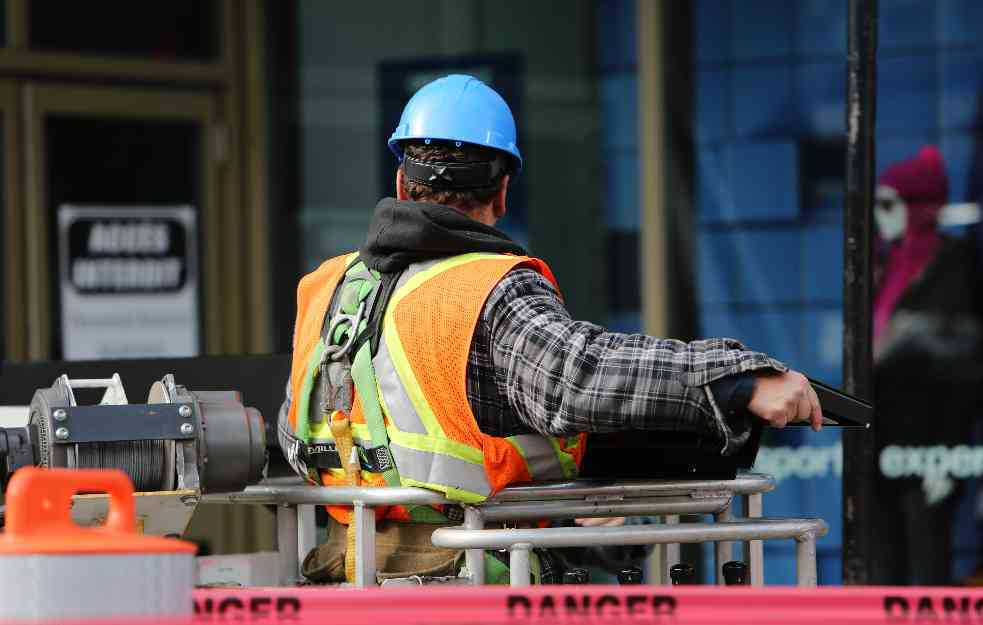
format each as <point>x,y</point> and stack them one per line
<point>631,575</point>
<point>682,574</point>
<point>576,576</point>
<point>735,573</point>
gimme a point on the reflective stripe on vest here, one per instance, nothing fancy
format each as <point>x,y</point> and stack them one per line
<point>541,456</point>
<point>463,463</point>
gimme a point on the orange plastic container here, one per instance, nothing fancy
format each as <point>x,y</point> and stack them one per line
<point>50,568</point>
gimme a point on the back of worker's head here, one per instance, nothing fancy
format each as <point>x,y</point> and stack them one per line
<point>419,165</point>
<point>456,142</point>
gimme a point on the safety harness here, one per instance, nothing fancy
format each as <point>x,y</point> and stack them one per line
<point>349,335</point>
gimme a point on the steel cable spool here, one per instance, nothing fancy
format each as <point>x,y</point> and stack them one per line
<point>143,461</point>
<point>205,441</point>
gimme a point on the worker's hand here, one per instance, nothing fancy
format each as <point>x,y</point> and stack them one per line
<point>613,521</point>
<point>781,398</point>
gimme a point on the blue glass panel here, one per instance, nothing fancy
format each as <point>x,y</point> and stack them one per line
<point>822,268</point>
<point>961,21</point>
<point>764,102</point>
<point>712,30</point>
<point>616,34</point>
<point>776,333</point>
<point>906,93</point>
<point>751,266</point>
<point>822,345</point>
<point>763,29</point>
<point>619,110</point>
<point>957,150</point>
<point>714,197</point>
<point>906,23</point>
<point>765,179</point>
<point>621,190</point>
<point>821,97</point>
<point>714,99</point>
<point>821,27</point>
<point>625,322</point>
<point>962,87</point>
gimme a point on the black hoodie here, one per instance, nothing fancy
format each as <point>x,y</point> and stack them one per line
<point>402,233</point>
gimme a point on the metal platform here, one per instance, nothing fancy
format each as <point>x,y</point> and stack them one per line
<point>668,499</point>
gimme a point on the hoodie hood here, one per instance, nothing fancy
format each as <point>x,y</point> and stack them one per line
<point>402,233</point>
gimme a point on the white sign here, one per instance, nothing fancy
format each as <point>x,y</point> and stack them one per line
<point>129,282</point>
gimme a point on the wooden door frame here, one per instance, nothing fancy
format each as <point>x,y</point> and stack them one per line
<point>14,296</point>
<point>40,101</point>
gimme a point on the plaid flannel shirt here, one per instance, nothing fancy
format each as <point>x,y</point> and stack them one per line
<point>534,369</point>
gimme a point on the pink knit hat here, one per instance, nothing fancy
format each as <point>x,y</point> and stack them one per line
<point>919,180</point>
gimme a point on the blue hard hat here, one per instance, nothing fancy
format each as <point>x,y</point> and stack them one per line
<point>458,108</point>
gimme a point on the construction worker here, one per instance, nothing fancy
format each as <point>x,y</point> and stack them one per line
<point>439,355</point>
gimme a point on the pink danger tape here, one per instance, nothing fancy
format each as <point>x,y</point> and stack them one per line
<point>589,605</point>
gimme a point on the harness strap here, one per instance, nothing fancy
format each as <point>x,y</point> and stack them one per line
<point>363,374</point>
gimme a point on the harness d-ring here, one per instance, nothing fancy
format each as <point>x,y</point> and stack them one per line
<point>337,352</point>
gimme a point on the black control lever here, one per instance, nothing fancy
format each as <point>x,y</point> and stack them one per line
<point>682,574</point>
<point>576,576</point>
<point>735,573</point>
<point>631,575</point>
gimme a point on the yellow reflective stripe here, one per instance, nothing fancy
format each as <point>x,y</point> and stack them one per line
<point>454,494</point>
<point>448,471</point>
<point>433,444</point>
<point>398,355</point>
<point>570,468</point>
<point>349,260</point>
<point>405,372</point>
<point>442,266</point>
<point>322,431</point>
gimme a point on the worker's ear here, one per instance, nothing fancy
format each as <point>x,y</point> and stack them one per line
<point>499,208</point>
<point>400,190</point>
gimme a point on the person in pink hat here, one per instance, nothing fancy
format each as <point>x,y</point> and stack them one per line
<point>927,368</point>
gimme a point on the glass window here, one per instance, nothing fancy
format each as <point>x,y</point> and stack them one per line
<point>768,127</point>
<point>357,67</point>
<point>107,162</point>
<point>176,30</point>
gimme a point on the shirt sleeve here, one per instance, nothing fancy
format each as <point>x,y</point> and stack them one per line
<point>562,376</point>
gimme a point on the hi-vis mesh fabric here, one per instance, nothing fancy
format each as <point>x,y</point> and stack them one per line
<point>421,368</point>
<point>313,296</point>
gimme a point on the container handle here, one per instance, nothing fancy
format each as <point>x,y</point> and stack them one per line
<point>39,501</point>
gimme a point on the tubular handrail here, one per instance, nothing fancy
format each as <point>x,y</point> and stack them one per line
<point>737,530</point>
<point>668,499</point>
<point>296,492</point>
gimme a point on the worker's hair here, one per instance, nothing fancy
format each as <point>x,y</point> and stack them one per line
<point>447,152</point>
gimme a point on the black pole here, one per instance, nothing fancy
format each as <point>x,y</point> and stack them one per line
<point>858,445</point>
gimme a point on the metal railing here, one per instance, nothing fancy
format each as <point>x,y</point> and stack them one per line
<point>296,532</point>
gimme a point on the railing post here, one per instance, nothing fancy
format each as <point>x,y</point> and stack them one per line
<point>474,558</point>
<point>754,550</point>
<point>519,565</point>
<point>805,560</point>
<point>723,550</point>
<point>286,544</point>
<point>306,532</point>
<point>365,573</point>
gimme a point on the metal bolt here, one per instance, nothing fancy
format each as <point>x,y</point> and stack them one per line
<point>60,414</point>
<point>187,428</point>
<point>184,411</point>
<point>61,434</point>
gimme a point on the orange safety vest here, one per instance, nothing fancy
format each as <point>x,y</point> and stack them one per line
<point>420,368</point>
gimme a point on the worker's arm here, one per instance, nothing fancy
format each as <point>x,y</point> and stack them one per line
<point>563,376</point>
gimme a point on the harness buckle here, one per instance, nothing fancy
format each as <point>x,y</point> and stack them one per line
<point>337,352</point>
